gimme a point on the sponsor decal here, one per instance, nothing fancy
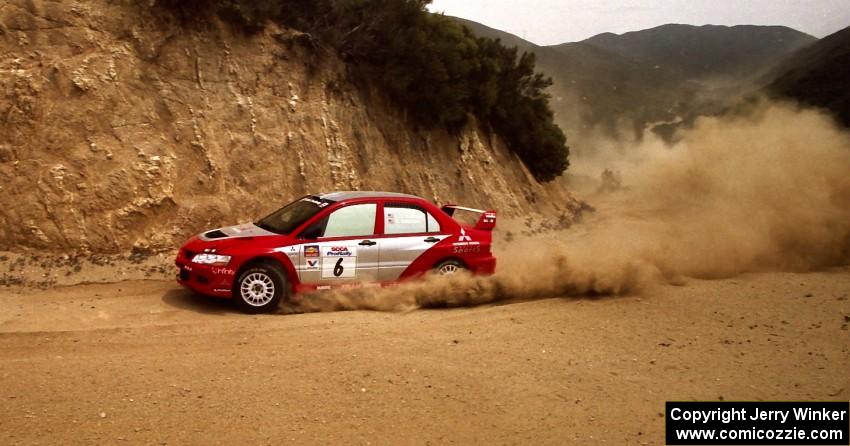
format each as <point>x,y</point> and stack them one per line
<point>339,262</point>
<point>469,249</point>
<point>291,251</point>
<point>320,204</point>
<point>340,251</point>
<point>313,264</point>
<point>223,271</point>
<point>349,286</point>
<point>238,229</point>
<point>288,250</point>
<point>464,240</point>
<point>312,251</point>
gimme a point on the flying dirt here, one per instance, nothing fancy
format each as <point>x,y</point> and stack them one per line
<point>767,190</point>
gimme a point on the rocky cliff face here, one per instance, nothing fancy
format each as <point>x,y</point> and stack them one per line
<point>122,129</point>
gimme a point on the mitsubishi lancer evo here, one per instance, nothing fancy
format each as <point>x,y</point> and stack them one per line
<point>334,240</point>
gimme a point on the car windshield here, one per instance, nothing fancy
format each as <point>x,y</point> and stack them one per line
<point>290,217</point>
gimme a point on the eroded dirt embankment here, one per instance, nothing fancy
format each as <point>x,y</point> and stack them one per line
<point>123,129</point>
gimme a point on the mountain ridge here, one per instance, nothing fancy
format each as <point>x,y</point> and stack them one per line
<point>818,75</point>
<point>704,50</point>
<point>602,84</point>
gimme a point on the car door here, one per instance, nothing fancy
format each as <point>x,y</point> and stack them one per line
<point>344,249</point>
<point>409,231</point>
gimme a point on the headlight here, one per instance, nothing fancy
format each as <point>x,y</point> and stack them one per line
<point>211,259</point>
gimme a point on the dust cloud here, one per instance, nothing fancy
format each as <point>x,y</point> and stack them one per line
<point>768,190</point>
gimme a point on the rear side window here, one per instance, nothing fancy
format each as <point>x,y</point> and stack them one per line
<point>408,220</point>
<point>433,226</point>
<point>352,221</point>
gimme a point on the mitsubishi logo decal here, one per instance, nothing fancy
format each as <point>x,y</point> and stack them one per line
<point>463,237</point>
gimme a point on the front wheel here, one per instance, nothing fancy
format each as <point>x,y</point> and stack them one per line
<point>449,267</point>
<point>260,289</point>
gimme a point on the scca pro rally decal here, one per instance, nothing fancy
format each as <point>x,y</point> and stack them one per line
<point>339,262</point>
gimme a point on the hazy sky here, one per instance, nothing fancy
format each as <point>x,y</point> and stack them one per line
<point>547,22</point>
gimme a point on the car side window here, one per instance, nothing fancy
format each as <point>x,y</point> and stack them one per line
<point>433,225</point>
<point>357,220</point>
<point>408,220</point>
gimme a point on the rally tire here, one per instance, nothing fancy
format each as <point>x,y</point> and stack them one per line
<point>260,288</point>
<point>449,267</point>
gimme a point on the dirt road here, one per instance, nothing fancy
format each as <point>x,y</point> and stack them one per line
<point>147,363</point>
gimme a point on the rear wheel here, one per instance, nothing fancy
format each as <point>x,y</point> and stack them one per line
<point>449,267</point>
<point>260,288</point>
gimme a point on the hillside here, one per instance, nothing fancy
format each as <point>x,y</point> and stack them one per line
<point>705,52</point>
<point>818,75</point>
<point>123,129</point>
<point>615,82</point>
<point>590,86</point>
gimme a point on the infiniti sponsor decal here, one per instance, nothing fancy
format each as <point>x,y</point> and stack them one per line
<point>223,271</point>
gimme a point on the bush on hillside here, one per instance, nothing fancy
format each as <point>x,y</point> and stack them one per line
<point>433,67</point>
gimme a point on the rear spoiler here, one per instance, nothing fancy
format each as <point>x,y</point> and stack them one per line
<point>487,221</point>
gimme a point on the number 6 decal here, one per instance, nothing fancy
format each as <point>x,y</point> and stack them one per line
<point>339,262</point>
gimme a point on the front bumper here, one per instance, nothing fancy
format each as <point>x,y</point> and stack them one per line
<point>204,279</point>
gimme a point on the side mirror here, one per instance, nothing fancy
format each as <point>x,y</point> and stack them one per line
<point>313,232</point>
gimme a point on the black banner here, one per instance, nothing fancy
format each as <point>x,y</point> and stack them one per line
<point>745,423</point>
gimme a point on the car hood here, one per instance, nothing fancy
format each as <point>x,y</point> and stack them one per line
<point>237,231</point>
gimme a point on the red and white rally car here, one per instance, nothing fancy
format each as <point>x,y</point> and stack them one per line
<point>334,240</point>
